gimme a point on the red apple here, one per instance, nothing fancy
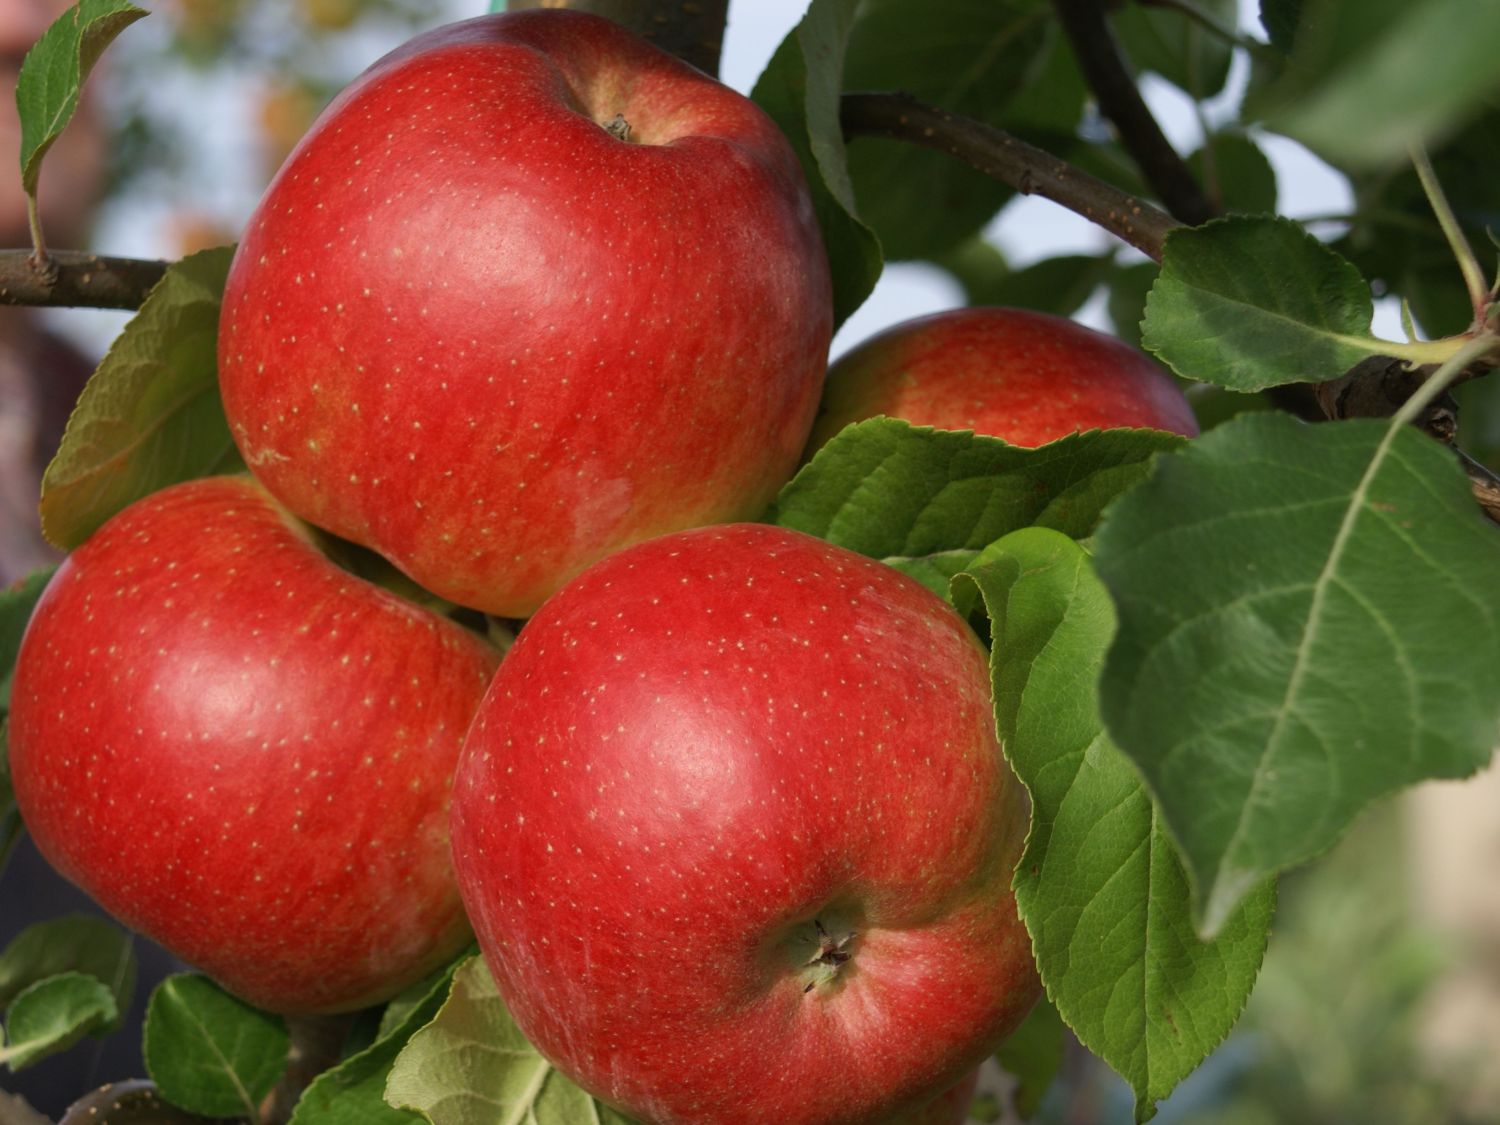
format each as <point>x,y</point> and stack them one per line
<point>530,290</point>
<point>1027,377</point>
<point>244,752</point>
<point>736,835</point>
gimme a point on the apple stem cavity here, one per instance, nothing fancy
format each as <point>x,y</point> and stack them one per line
<point>618,128</point>
<point>832,952</point>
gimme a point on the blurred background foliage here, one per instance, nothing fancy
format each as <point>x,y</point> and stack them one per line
<point>1341,1025</point>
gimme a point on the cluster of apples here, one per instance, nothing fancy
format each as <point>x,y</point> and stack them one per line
<point>730,820</point>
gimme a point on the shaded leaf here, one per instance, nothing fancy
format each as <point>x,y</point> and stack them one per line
<point>968,56</point>
<point>150,416</point>
<point>10,816</point>
<point>1235,173</point>
<point>1100,886</point>
<point>800,90</point>
<point>76,943</point>
<point>1057,285</point>
<point>1280,18</point>
<point>210,1052</point>
<point>1129,287</point>
<point>1172,44</point>
<point>927,501</point>
<point>472,1066</point>
<point>1308,621</point>
<point>1032,1055</point>
<point>52,1014</point>
<point>54,71</point>
<point>16,604</point>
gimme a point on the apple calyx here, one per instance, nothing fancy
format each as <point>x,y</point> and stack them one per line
<point>832,953</point>
<point>618,128</point>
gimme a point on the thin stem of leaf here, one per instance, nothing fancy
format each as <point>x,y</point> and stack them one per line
<point>1468,263</point>
<point>1422,351</point>
<point>40,261</point>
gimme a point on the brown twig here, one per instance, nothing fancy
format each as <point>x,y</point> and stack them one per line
<point>134,1102</point>
<point>82,280</point>
<point>1007,158</point>
<point>693,30</point>
<point>1483,483</point>
<point>1108,76</point>
<point>1378,386</point>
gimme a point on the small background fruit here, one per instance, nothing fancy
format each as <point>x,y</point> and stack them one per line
<point>1024,376</point>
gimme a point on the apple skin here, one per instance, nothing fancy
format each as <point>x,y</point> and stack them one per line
<point>1024,376</point>
<point>244,752</point>
<point>696,753</point>
<point>470,328</point>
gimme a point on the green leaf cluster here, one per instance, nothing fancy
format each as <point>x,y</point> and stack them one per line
<point>62,980</point>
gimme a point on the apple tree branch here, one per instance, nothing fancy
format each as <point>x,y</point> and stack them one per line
<point>996,153</point>
<point>78,279</point>
<point>1108,75</point>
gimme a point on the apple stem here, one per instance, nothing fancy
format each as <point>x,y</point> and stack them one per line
<point>317,1042</point>
<point>618,128</point>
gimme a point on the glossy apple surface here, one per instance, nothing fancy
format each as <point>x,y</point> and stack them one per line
<point>246,753</point>
<point>736,836</point>
<point>472,327</point>
<point>1027,377</point>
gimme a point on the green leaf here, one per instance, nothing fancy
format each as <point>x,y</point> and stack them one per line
<point>1032,1055</point>
<point>10,816</point>
<point>353,1093</point>
<point>74,943</point>
<point>1168,42</point>
<point>968,56</point>
<point>53,1014</point>
<point>927,501</point>
<point>1308,620</point>
<point>472,1066</point>
<point>1100,886</point>
<point>54,71</point>
<point>1366,81</point>
<point>1235,173</point>
<point>210,1052</point>
<point>1129,286</point>
<point>150,415</point>
<point>1054,285</point>
<point>1250,303</point>
<point>800,91</point>
<point>16,605</point>
<point>1280,19</point>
